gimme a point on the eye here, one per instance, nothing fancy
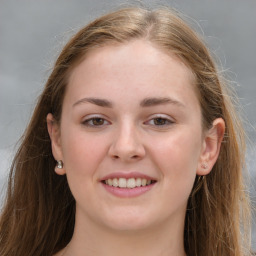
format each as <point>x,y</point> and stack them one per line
<point>160,121</point>
<point>95,122</point>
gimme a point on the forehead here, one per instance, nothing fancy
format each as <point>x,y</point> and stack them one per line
<point>138,49</point>
<point>136,65</point>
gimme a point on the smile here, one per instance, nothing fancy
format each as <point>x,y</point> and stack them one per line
<point>128,183</point>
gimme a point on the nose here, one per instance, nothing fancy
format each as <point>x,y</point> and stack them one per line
<point>127,144</point>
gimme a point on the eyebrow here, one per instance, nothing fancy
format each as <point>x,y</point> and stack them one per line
<point>148,102</point>
<point>95,101</point>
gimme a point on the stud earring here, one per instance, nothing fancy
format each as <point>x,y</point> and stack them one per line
<point>204,166</point>
<point>59,164</point>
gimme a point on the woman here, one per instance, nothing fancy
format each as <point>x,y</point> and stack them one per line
<point>145,143</point>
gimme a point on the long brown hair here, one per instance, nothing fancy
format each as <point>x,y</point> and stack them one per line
<point>39,212</point>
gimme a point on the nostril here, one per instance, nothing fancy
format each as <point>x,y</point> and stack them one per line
<point>131,157</point>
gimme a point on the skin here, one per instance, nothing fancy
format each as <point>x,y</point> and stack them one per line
<point>127,137</point>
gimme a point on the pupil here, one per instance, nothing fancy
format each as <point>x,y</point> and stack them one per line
<point>159,121</point>
<point>98,121</point>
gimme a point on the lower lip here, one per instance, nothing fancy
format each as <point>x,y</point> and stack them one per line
<point>128,192</point>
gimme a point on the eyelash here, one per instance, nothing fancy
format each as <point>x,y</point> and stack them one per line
<point>89,122</point>
<point>163,122</point>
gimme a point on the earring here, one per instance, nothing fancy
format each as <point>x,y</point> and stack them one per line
<point>59,164</point>
<point>204,166</point>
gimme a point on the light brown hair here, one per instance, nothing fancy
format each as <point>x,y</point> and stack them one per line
<point>39,212</point>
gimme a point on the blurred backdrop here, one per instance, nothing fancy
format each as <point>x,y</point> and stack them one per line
<point>32,34</point>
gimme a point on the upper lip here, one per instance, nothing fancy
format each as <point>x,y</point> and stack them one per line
<point>127,175</point>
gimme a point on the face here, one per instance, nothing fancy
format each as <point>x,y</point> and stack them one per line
<point>130,137</point>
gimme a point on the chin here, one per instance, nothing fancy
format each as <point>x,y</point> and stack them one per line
<point>129,221</point>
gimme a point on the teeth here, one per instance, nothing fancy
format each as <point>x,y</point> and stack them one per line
<point>131,183</point>
<point>138,182</point>
<point>109,182</point>
<point>128,183</point>
<point>143,182</point>
<point>115,182</point>
<point>122,183</point>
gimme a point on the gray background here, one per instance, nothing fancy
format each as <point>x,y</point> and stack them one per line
<point>33,32</point>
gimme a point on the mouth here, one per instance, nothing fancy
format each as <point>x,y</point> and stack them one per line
<point>129,183</point>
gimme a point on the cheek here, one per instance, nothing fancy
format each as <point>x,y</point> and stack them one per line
<point>177,155</point>
<point>82,153</point>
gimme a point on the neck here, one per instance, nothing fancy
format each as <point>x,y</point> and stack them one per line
<point>90,239</point>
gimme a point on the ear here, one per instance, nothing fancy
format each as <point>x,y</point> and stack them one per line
<point>54,132</point>
<point>211,147</point>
